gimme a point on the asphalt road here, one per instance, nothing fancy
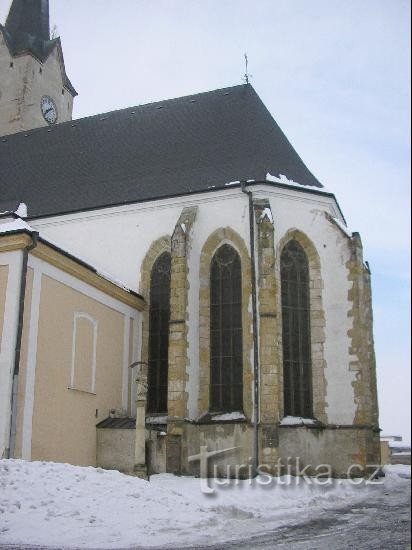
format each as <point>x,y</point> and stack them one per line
<point>381,524</point>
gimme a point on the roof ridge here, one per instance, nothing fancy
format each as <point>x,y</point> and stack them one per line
<point>167,100</point>
<point>106,114</point>
<point>193,144</point>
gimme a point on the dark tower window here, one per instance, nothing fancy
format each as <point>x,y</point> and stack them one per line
<point>226,378</point>
<point>296,331</point>
<point>159,315</point>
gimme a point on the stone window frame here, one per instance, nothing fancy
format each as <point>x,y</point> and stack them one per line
<point>155,391</point>
<point>215,240</point>
<point>317,323</point>
<point>156,249</point>
<point>294,270</point>
<point>228,399</point>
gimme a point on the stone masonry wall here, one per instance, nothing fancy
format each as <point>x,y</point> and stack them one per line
<point>269,360</point>
<point>178,344</point>
<point>361,336</point>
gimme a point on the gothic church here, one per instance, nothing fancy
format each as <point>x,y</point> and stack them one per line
<point>185,237</point>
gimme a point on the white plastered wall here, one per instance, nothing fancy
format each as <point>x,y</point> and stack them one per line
<point>116,240</point>
<point>308,216</point>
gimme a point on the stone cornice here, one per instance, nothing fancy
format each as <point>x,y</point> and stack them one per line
<point>15,241</point>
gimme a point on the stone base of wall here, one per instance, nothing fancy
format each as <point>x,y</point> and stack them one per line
<point>348,451</point>
<point>233,439</point>
<point>115,449</point>
<point>157,452</point>
<point>299,450</point>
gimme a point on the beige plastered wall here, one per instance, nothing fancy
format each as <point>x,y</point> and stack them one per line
<point>23,361</point>
<point>64,420</point>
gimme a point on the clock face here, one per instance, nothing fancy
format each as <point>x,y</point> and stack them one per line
<point>48,109</point>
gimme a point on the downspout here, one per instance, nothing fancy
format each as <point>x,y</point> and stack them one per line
<point>17,352</point>
<point>255,448</point>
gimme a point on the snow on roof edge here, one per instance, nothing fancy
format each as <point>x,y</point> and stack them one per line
<point>15,225</point>
<point>284,180</point>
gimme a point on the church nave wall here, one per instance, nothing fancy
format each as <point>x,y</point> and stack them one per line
<point>79,337</point>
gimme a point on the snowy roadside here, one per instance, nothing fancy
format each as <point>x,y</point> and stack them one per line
<point>60,505</point>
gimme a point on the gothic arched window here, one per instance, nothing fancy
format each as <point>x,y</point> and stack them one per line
<point>159,315</point>
<point>297,366</point>
<point>226,377</point>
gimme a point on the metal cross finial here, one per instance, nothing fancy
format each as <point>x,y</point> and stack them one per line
<point>246,76</point>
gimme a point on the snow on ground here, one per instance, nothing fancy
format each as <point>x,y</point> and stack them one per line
<point>396,472</point>
<point>44,503</point>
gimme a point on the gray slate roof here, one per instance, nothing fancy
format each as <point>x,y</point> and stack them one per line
<point>27,29</point>
<point>8,207</point>
<point>117,423</point>
<point>29,17</point>
<point>170,148</point>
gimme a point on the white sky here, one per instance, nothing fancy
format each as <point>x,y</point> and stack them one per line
<point>334,74</point>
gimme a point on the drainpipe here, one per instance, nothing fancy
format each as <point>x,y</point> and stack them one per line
<point>17,352</point>
<point>255,448</point>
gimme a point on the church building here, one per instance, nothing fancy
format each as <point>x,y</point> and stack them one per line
<point>185,239</point>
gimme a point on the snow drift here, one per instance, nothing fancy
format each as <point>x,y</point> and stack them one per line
<point>43,503</point>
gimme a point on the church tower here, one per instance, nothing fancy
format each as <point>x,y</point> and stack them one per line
<point>34,88</point>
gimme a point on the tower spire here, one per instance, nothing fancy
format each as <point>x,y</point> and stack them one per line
<point>29,17</point>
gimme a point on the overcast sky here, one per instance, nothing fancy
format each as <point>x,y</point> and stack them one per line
<point>334,74</point>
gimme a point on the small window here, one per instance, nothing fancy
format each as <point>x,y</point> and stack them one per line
<point>296,340</point>
<point>11,64</point>
<point>159,315</point>
<point>226,369</point>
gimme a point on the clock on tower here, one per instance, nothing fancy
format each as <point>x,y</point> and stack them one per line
<point>48,109</point>
<point>26,51</point>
